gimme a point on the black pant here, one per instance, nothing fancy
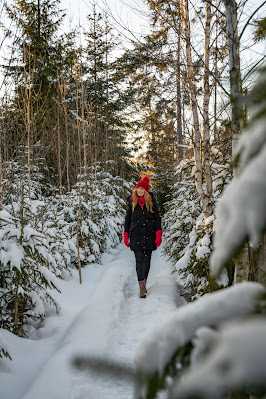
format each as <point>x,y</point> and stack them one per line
<point>143,262</point>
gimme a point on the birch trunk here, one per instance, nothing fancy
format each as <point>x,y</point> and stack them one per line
<point>234,70</point>
<point>193,99</point>
<point>215,82</point>
<point>207,195</point>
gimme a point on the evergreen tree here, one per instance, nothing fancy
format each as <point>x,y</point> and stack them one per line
<point>188,238</point>
<point>105,98</point>
<point>41,57</point>
<point>27,270</point>
<point>152,74</point>
<point>37,48</point>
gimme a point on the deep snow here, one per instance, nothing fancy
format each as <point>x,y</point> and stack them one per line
<point>102,317</point>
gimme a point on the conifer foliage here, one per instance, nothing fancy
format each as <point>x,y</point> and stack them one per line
<point>65,168</point>
<point>41,241</point>
<point>63,163</point>
<point>27,269</point>
<point>188,235</point>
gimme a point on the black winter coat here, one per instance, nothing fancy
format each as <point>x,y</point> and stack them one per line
<point>142,225</point>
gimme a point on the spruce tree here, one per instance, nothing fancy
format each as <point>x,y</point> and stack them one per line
<point>104,98</point>
<point>36,45</point>
<point>153,76</point>
<point>41,57</point>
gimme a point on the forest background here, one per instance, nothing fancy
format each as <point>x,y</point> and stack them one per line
<point>88,108</point>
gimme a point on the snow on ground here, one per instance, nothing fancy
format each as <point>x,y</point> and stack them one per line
<point>102,317</point>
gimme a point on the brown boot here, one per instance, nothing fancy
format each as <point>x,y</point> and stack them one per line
<point>142,290</point>
<point>145,289</point>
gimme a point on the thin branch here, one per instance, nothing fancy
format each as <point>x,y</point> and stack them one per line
<point>216,7</point>
<point>252,15</point>
<point>253,68</point>
<point>200,19</point>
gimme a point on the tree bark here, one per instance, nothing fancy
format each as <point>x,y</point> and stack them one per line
<point>261,267</point>
<point>215,82</point>
<point>59,150</point>
<point>84,141</point>
<point>234,71</point>
<point>178,102</point>
<point>207,195</point>
<point>242,265</point>
<point>107,94</point>
<point>62,88</point>
<point>80,173</point>
<point>1,171</point>
<point>193,99</point>
<point>27,109</point>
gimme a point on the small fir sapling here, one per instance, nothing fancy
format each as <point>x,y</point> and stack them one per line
<point>27,272</point>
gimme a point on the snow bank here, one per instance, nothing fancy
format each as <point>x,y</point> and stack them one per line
<point>4,347</point>
<point>159,347</point>
<point>236,360</point>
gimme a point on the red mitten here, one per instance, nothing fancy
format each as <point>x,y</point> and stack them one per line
<point>158,239</point>
<point>126,239</point>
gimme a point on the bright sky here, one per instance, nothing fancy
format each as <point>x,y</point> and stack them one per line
<point>130,19</point>
<point>128,16</point>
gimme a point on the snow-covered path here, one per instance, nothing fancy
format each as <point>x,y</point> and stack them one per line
<point>102,317</point>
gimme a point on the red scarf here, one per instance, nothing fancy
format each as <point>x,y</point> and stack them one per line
<point>141,201</point>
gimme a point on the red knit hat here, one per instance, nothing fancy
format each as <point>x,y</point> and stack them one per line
<point>144,182</point>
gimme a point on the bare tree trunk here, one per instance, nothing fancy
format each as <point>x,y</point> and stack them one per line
<point>207,195</point>
<point>59,149</point>
<point>178,102</point>
<point>67,151</point>
<point>193,99</point>
<point>78,237</point>
<point>234,70</point>
<point>92,127</point>
<point>152,127</point>
<point>85,166</point>
<point>107,94</point>
<point>261,266</point>
<point>1,172</point>
<point>27,110</point>
<point>84,140</point>
<point>80,173</point>
<point>215,82</point>
<point>21,242</point>
<point>62,88</point>
<point>242,265</point>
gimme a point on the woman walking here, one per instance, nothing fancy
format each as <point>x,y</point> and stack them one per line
<point>143,232</point>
